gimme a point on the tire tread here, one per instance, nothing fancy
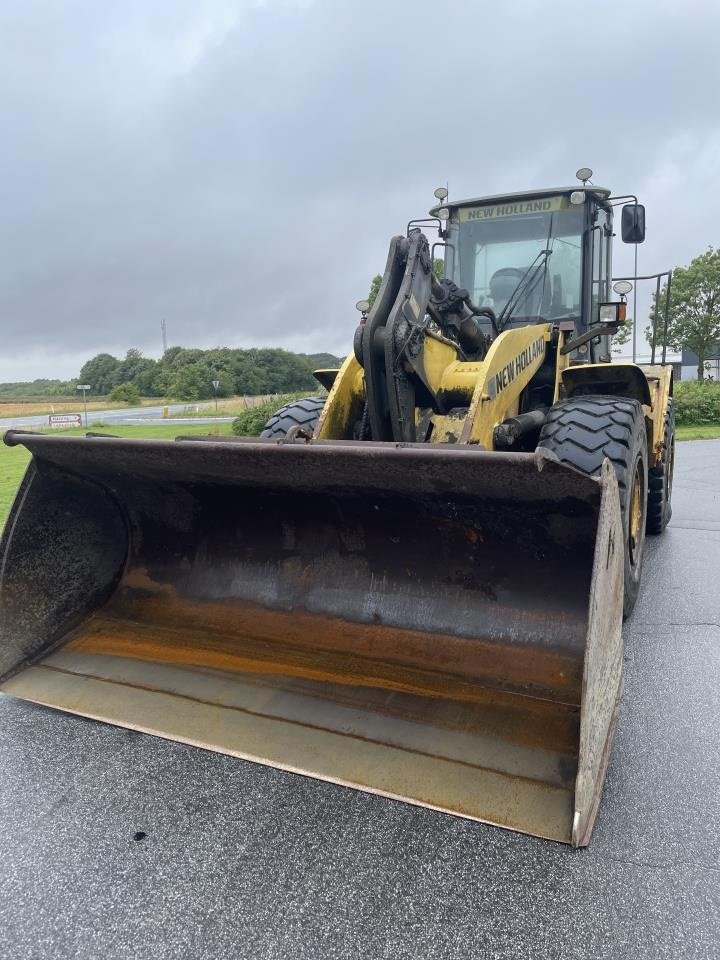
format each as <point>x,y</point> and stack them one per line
<point>658,512</point>
<point>583,431</point>
<point>297,413</point>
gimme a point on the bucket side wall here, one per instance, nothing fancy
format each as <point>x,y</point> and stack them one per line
<point>603,660</point>
<point>61,555</point>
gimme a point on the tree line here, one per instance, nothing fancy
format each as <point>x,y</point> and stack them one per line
<point>187,374</point>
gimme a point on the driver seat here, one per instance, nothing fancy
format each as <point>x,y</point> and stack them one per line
<point>503,283</point>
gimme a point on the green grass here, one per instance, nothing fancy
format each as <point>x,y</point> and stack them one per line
<point>156,432</point>
<point>700,431</point>
<point>13,460</point>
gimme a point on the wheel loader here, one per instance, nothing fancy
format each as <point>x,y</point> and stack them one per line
<point>414,586</point>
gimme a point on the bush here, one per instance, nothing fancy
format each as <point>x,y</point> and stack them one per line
<point>125,393</point>
<point>250,423</point>
<point>697,401</point>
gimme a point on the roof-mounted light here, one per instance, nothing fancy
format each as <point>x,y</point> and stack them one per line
<point>443,213</point>
<point>577,197</point>
<point>584,174</point>
<point>440,193</point>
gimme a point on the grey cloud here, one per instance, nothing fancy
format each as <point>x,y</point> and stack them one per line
<point>239,168</point>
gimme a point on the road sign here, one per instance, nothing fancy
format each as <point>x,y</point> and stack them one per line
<point>84,387</point>
<point>65,420</point>
<point>216,383</point>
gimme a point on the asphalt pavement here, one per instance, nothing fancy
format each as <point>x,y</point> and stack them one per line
<point>115,845</point>
<point>124,415</point>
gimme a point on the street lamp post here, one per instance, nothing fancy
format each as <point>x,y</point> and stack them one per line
<point>84,387</point>
<point>216,384</point>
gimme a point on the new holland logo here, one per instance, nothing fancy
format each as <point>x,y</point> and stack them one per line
<point>510,371</point>
<point>514,208</point>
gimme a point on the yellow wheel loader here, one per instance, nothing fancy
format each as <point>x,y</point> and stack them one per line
<point>414,587</point>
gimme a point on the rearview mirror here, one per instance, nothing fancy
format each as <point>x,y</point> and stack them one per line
<point>633,223</point>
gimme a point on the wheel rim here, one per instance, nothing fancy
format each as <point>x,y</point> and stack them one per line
<point>637,519</point>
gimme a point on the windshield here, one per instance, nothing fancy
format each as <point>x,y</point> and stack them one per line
<point>522,258</point>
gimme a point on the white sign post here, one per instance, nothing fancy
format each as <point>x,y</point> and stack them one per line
<point>84,387</point>
<point>216,384</point>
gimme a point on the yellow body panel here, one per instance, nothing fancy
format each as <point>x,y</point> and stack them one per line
<point>462,377</point>
<point>344,403</point>
<point>439,361</point>
<point>447,428</point>
<point>511,362</point>
<point>660,382</point>
<point>492,388</point>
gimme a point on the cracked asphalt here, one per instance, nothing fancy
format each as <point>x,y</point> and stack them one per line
<point>235,860</point>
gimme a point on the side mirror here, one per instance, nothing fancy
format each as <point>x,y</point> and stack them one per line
<point>633,223</point>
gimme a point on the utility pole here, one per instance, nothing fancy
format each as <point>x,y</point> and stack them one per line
<point>163,327</point>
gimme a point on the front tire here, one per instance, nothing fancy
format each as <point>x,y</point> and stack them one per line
<point>303,413</point>
<point>582,432</point>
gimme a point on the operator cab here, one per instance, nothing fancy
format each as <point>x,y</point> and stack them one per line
<point>537,257</point>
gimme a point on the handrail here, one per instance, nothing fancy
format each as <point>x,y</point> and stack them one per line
<point>656,276</point>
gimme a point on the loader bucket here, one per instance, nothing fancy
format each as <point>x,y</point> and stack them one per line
<point>436,624</point>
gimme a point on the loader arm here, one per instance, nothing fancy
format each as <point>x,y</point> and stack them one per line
<point>410,367</point>
<point>393,328</point>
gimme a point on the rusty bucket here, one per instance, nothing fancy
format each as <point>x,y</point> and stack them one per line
<point>436,624</point>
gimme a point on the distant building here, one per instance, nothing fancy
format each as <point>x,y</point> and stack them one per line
<point>712,365</point>
<point>672,357</point>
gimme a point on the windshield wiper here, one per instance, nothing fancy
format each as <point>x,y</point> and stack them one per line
<point>525,285</point>
<point>525,290</point>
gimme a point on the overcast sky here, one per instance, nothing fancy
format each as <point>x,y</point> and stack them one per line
<point>238,168</point>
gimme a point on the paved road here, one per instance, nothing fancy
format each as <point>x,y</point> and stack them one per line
<point>125,415</point>
<point>241,861</point>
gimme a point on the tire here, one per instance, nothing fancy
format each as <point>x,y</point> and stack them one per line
<point>303,413</point>
<point>660,479</point>
<point>582,431</point>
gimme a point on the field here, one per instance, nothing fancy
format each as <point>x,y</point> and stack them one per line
<point>227,406</point>
<point>13,460</point>
<point>21,408</point>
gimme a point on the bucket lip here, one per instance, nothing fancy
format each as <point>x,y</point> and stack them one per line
<point>243,445</point>
<point>440,469</point>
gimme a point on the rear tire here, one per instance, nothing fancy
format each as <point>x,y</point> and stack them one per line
<point>303,413</point>
<point>660,479</point>
<point>582,431</point>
